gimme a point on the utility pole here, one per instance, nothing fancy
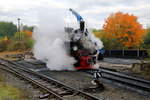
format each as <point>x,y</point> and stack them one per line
<point>19,27</point>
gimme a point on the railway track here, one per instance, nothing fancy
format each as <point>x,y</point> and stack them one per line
<point>122,80</point>
<point>52,88</point>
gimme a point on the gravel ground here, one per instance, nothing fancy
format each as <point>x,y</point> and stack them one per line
<point>120,64</point>
<point>81,80</point>
<point>121,61</point>
<point>125,66</point>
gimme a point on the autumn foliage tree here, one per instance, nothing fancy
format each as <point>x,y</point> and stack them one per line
<point>125,29</point>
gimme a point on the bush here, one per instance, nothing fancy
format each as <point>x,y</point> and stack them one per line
<point>20,41</point>
<point>16,45</point>
<point>20,36</point>
<point>29,43</point>
<point>3,45</point>
<point>112,44</point>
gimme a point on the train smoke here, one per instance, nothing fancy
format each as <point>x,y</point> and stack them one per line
<point>49,41</point>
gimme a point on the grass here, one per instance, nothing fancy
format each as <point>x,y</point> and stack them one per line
<point>9,92</point>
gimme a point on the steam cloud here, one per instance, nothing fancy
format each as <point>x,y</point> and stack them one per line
<point>50,38</point>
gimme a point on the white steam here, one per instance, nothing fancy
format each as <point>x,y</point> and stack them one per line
<point>99,43</point>
<point>50,37</point>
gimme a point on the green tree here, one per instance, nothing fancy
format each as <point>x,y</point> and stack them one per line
<point>20,41</point>
<point>27,28</point>
<point>20,36</point>
<point>7,29</point>
<point>111,43</point>
<point>146,43</point>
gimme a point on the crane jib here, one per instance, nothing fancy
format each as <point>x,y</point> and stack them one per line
<point>79,18</point>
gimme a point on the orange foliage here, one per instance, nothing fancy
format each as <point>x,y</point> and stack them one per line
<point>29,33</point>
<point>125,28</point>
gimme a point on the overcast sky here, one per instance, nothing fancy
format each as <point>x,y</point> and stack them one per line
<point>94,11</point>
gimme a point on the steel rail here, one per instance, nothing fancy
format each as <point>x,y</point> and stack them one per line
<point>50,80</point>
<point>114,77</point>
<point>11,70</point>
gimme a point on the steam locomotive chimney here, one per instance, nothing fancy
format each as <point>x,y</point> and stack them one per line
<point>82,26</point>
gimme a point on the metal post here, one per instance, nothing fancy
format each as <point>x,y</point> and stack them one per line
<point>19,27</point>
<point>138,53</point>
<point>110,53</point>
<point>123,52</point>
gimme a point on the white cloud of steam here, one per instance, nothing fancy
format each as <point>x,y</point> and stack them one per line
<point>97,41</point>
<point>50,37</point>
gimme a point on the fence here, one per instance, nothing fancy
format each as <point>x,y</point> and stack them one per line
<point>126,53</point>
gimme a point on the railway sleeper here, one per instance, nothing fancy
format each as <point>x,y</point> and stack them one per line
<point>56,89</point>
<point>65,93</point>
<point>35,78</point>
<point>41,81</point>
<point>44,96</point>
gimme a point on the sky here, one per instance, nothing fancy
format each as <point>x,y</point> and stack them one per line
<point>93,11</point>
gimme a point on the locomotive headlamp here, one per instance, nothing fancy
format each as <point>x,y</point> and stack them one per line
<point>75,48</point>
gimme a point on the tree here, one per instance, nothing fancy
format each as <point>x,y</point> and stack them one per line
<point>21,41</point>
<point>125,29</point>
<point>22,35</point>
<point>7,29</point>
<point>146,43</point>
<point>98,33</point>
<point>28,28</point>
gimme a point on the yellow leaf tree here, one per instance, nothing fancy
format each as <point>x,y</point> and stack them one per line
<point>125,28</point>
